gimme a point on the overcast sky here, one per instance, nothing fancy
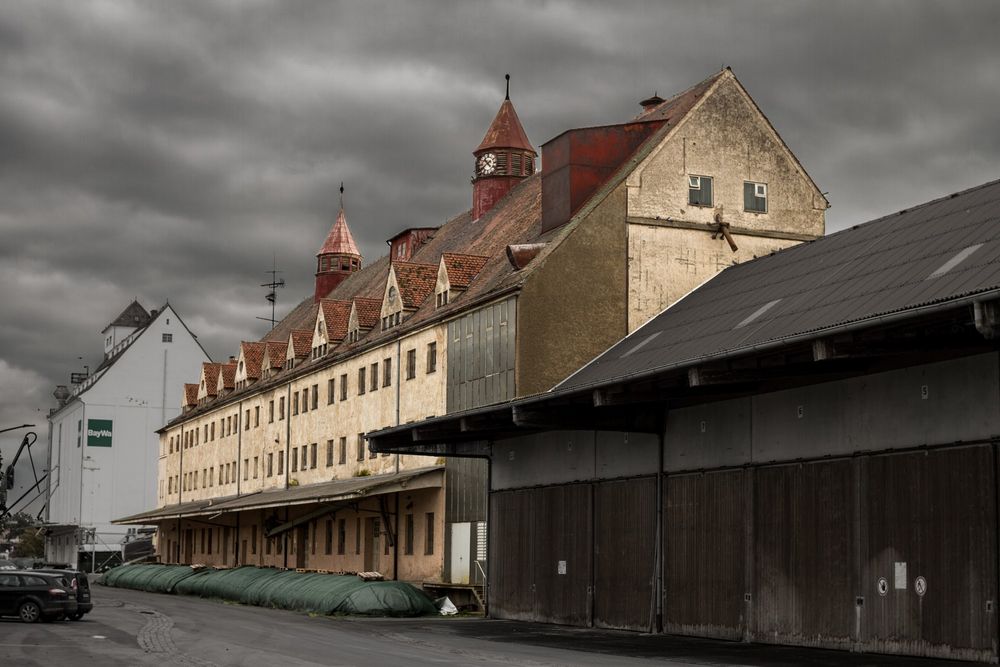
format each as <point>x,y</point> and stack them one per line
<point>172,150</point>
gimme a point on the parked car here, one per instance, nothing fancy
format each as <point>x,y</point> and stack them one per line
<point>8,565</point>
<point>34,596</point>
<point>79,585</point>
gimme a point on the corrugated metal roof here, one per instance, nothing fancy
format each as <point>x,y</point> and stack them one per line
<point>943,250</point>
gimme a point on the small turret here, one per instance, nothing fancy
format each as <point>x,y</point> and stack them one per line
<point>338,257</point>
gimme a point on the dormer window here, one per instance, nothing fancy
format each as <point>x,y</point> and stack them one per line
<point>442,299</point>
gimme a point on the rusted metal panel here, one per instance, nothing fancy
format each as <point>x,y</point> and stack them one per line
<point>705,549</point>
<point>624,553</point>
<point>563,554</point>
<point>931,515</point>
<point>511,574</point>
<point>804,554</point>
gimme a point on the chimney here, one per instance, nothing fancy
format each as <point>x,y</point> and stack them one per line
<point>651,102</point>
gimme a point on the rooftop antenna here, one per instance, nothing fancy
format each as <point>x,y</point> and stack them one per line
<point>341,195</point>
<point>507,76</point>
<point>272,296</point>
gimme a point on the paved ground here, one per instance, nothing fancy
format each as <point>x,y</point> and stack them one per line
<point>134,628</point>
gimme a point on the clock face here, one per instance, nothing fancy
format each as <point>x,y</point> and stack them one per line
<point>487,164</point>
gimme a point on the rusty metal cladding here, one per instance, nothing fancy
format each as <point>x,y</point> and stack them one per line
<point>512,593</point>
<point>624,553</point>
<point>563,555</point>
<point>705,549</point>
<point>931,515</point>
<point>804,554</point>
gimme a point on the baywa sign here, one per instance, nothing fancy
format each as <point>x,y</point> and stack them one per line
<point>99,432</point>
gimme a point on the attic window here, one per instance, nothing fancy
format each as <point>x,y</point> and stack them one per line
<point>959,257</point>
<point>754,197</point>
<point>168,338</point>
<point>442,298</point>
<point>700,190</point>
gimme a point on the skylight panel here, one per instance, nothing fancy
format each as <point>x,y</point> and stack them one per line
<point>959,257</point>
<point>645,341</point>
<point>757,313</point>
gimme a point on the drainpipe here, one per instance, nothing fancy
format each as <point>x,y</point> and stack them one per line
<point>399,344</point>
<point>239,463</point>
<point>395,548</point>
<point>288,437</point>
<point>657,625</point>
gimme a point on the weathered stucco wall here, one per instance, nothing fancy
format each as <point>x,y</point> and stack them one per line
<point>572,307</point>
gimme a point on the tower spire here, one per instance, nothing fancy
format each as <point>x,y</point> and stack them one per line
<point>341,195</point>
<point>507,76</point>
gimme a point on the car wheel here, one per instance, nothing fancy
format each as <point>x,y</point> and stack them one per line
<point>29,612</point>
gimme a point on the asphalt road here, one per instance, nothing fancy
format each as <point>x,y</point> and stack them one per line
<point>135,628</point>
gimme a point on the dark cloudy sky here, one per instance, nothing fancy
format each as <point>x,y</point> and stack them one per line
<point>169,150</point>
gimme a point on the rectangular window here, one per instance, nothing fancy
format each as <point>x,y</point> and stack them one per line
<point>329,391</point>
<point>253,539</point>
<point>357,536</point>
<point>329,453</point>
<point>281,463</point>
<point>341,536</point>
<point>315,396</point>
<point>295,403</point>
<point>293,460</point>
<point>246,469</point>
<point>205,437</point>
<point>312,542</point>
<point>211,431</point>
<point>361,446</point>
<point>342,459</point>
<point>270,464</point>
<point>408,539</point>
<point>328,546</point>
<point>429,534</point>
<point>270,411</point>
<point>305,399</point>
<point>256,467</point>
<point>312,456</point>
<point>343,387</point>
<point>211,476</point>
<point>387,373</point>
<point>754,197</point>
<point>361,381</point>
<point>220,476</point>
<point>168,338</point>
<point>432,357</point>
<point>246,422</point>
<point>411,364</point>
<point>281,408</point>
<point>374,377</point>
<point>256,416</point>
<point>700,190</point>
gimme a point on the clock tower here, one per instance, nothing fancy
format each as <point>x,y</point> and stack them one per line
<point>503,159</point>
<point>338,258</point>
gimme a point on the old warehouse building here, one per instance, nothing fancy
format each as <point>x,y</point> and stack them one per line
<point>803,451</point>
<point>268,465</point>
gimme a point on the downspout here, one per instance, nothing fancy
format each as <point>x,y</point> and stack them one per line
<point>395,548</point>
<point>657,620</point>
<point>288,436</point>
<point>239,478</point>
<point>487,594</point>
<point>399,344</point>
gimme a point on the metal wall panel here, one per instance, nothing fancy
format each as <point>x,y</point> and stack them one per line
<point>708,436</point>
<point>511,572</point>
<point>465,490</point>
<point>551,457</point>
<point>705,551</point>
<point>932,515</point>
<point>481,356</point>
<point>563,555</point>
<point>624,554</point>
<point>625,454</point>
<point>804,554</point>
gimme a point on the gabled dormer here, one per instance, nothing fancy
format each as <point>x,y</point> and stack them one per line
<point>455,273</point>
<point>407,286</point>
<point>190,396</point>
<point>134,317</point>
<point>208,382</point>
<point>226,381</point>
<point>248,363</point>
<point>364,315</point>
<point>331,325</point>
<point>299,341</point>
<point>273,359</point>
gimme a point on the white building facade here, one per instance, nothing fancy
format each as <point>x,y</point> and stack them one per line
<point>103,449</point>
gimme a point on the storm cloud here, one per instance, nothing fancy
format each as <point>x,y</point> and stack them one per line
<point>173,150</point>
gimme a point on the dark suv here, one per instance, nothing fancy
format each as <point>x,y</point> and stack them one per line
<point>36,596</point>
<point>80,586</point>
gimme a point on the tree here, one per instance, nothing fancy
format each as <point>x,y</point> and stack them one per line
<point>31,545</point>
<point>13,525</point>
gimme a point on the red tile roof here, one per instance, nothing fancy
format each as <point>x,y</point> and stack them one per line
<point>416,282</point>
<point>228,374</point>
<point>253,355</point>
<point>210,376</point>
<point>190,394</point>
<point>301,340</point>
<point>339,241</point>
<point>336,313</point>
<point>369,311</point>
<point>506,131</point>
<point>462,268</point>
<point>677,106</point>
<point>275,352</point>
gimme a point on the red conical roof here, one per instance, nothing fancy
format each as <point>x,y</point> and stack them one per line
<point>506,131</point>
<point>339,241</point>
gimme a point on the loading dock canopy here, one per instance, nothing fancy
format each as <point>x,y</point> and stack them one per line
<point>342,490</point>
<point>919,285</point>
